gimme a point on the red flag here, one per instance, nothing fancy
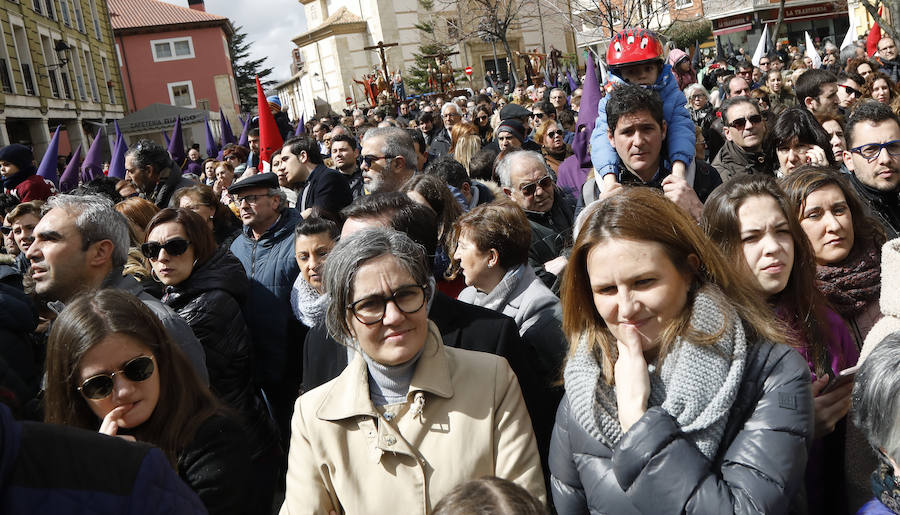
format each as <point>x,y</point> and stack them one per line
<point>269,137</point>
<point>874,37</point>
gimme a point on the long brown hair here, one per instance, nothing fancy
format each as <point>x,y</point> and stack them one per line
<point>644,214</point>
<point>805,180</point>
<point>805,305</point>
<point>184,401</point>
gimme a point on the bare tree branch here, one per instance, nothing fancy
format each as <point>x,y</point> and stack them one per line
<point>893,8</point>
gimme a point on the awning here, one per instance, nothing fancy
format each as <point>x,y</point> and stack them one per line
<point>729,30</point>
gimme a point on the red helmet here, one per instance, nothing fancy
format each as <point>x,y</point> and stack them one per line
<point>633,46</point>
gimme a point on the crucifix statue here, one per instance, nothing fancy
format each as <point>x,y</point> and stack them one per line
<point>443,66</point>
<point>380,47</point>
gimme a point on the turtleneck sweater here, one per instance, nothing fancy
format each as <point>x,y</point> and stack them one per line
<point>883,204</point>
<point>389,384</point>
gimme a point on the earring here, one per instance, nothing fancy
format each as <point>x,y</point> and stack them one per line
<point>153,275</point>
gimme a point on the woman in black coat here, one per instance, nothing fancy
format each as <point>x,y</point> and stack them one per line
<point>207,286</point>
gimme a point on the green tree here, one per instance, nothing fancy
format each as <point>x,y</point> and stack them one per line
<point>416,77</point>
<point>246,70</point>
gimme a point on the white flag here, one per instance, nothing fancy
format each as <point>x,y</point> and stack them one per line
<point>761,46</point>
<point>812,53</point>
<point>851,32</point>
<point>603,73</point>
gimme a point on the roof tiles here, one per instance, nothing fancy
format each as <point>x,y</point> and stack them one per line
<point>131,14</point>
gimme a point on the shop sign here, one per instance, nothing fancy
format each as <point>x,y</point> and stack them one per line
<point>802,12</point>
<point>732,21</point>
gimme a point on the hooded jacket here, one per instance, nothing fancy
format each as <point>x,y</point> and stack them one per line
<point>210,301</point>
<point>171,180</point>
<point>270,265</point>
<point>681,135</point>
<point>676,55</point>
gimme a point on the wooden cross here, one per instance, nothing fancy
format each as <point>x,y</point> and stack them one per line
<point>439,59</point>
<point>380,47</point>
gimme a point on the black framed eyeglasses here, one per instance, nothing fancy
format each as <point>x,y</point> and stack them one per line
<point>370,310</point>
<point>100,386</point>
<point>529,189</point>
<point>173,247</point>
<point>250,199</point>
<point>369,159</point>
<point>871,151</point>
<point>851,91</point>
<point>740,123</point>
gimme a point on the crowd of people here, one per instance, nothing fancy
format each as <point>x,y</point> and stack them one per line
<point>669,294</point>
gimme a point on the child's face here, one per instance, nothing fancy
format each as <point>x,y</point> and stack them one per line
<point>644,74</point>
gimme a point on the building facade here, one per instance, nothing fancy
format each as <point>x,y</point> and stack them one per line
<point>595,27</point>
<point>334,55</point>
<point>741,22</point>
<point>57,68</point>
<point>175,55</point>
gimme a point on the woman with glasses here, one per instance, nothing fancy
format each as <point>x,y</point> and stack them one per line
<point>206,285</point>
<point>408,419</point>
<point>111,366</point>
<point>482,120</point>
<point>677,383</point>
<point>752,221</point>
<point>550,135</point>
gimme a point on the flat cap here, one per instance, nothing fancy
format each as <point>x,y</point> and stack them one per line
<point>260,180</point>
<point>512,110</point>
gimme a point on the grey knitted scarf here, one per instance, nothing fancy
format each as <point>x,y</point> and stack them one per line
<point>309,306</point>
<point>695,384</point>
<point>499,296</point>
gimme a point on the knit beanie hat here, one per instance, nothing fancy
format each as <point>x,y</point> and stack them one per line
<point>19,155</point>
<point>513,127</point>
<point>274,103</point>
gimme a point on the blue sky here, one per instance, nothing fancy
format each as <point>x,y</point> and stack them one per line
<point>269,24</point>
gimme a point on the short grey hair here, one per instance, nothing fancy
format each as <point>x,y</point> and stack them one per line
<point>876,397</point>
<point>396,143</point>
<point>695,88</point>
<point>96,220</point>
<point>505,166</point>
<point>450,106</point>
<point>148,152</point>
<point>282,198</point>
<point>350,254</point>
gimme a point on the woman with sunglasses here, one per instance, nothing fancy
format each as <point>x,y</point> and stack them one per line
<point>752,221</point>
<point>206,285</point>
<point>550,135</point>
<point>112,366</point>
<point>409,418</point>
<point>482,120</point>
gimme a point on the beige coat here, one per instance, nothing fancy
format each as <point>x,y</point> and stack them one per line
<point>464,419</point>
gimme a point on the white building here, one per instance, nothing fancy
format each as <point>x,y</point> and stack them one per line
<point>333,51</point>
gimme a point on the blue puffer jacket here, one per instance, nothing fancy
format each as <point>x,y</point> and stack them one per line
<point>48,468</point>
<point>680,135</point>
<point>272,269</point>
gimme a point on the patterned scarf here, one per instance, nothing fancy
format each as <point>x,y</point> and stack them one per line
<point>853,284</point>
<point>308,305</point>
<point>695,384</point>
<point>886,486</point>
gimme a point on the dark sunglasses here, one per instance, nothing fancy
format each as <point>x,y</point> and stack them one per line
<point>553,134</point>
<point>100,386</point>
<point>851,91</point>
<point>5,229</point>
<point>529,189</point>
<point>739,123</point>
<point>481,118</point>
<point>369,159</point>
<point>537,115</point>
<point>173,247</point>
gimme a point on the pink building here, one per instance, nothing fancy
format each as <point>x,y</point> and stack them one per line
<point>174,55</point>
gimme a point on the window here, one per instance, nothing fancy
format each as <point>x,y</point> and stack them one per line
<point>64,10</point>
<point>683,3</point>
<point>110,90</point>
<point>64,75</point>
<point>172,49</point>
<point>49,10</point>
<point>78,16</point>
<point>118,55</point>
<point>6,82</point>
<point>181,94</point>
<point>24,54</point>
<point>51,64</point>
<point>92,76</point>
<point>79,77</point>
<point>38,7</point>
<point>96,19</point>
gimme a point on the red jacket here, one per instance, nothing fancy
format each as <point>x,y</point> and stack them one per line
<point>33,187</point>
